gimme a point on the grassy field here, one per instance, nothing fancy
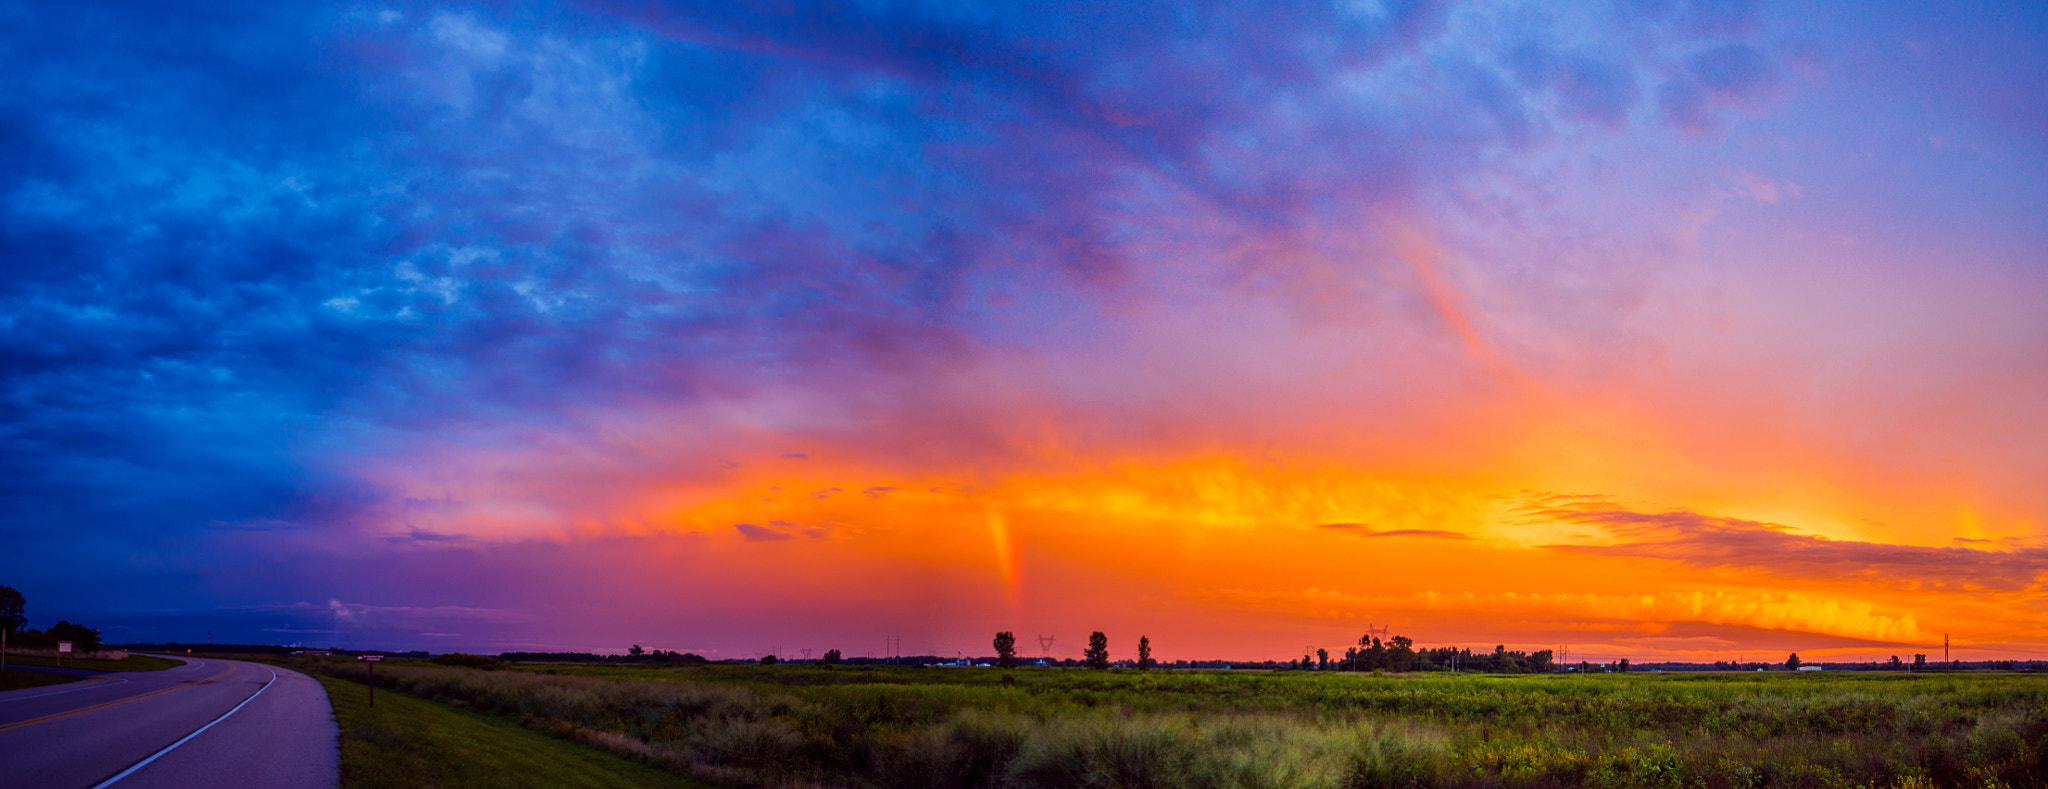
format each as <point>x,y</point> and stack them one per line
<point>16,680</point>
<point>881,727</point>
<point>408,743</point>
<point>129,663</point>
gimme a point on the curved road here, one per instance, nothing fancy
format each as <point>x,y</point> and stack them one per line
<point>209,723</point>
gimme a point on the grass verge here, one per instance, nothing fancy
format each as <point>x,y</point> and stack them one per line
<point>410,742</point>
<point>16,680</point>
<point>129,663</point>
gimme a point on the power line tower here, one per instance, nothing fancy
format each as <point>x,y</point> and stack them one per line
<point>1044,647</point>
<point>807,653</point>
<point>1379,632</point>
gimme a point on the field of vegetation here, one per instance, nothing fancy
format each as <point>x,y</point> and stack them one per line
<point>407,743</point>
<point>748,725</point>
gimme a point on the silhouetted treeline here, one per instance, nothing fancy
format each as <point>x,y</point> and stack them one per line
<point>223,649</point>
<point>1399,654</point>
<point>647,656</point>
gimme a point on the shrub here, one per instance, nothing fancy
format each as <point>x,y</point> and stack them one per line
<point>466,660</point>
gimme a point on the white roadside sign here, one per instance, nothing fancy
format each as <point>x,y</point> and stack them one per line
<point>63,646</point>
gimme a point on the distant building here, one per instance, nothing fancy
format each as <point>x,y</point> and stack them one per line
<point>1809,668</point>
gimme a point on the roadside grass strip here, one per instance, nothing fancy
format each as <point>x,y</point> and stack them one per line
<point>16,680</point>
<point>406,742</point>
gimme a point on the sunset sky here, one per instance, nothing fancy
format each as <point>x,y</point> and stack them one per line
<point>1658,330</point>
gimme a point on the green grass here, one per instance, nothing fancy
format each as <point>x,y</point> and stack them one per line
<point>407,743</point>
<point>878,727</point>
<point>16,680</point>
<point>129,663</point>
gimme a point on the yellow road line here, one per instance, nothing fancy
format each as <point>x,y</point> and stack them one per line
<point>45,718</point>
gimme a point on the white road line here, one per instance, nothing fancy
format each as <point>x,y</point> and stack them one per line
<point>188,738</point>
<point>110,683</point>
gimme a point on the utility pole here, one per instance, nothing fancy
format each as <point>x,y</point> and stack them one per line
<point>1944,649</point>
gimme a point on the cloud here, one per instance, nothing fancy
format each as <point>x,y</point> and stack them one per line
<point>755,533</point>
<point>1588,87</point>
<point>1643,613</point>
<point>417,535</point>
<point>1362,530</point>
<point>1711,542</point>
<point>1735,74</point>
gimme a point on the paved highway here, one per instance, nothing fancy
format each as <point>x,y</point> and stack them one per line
<point>209,723</point>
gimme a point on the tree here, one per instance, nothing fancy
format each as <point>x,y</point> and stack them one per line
<point>1006,649</point>
<point>1919,662</point>
<point>1098,650</point>
<point>1897,663</point>
<point>82,638</point>
<point>1322,659</point>
<point>1792,663</point>
<point>11,604</point>
<point>831,657</point>
<point>1402,656</point>
<point>636,651</point>
<point>769,660</point>
<point>1144,653</point>
<point>1622,666</point>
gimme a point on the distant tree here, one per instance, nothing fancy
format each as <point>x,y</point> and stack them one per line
<point>1098,650</point>
<point>82,638</point>
<point>1622,666</point>
<point>1306,663</point>
<point>769,660</point>
<point>1792,663</point>
<point>1919,662</point>
<point>1006,649</point>
<point>1144,653</point>
<point>831,657</point>
<point>10,617</point>
<point>636,651</point>
<point>1322,659</point>
<point>1897,663</point>
<point>11,606</point>
<point>1401,655</point>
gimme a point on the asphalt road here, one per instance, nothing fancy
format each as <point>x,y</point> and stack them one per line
<point>209,723</point>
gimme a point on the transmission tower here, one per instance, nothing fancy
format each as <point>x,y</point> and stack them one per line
<point>807,652</point>
<point>1044,647</point>
<point>1378,632</point>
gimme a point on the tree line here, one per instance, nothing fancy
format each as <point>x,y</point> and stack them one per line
<point>14,621</point>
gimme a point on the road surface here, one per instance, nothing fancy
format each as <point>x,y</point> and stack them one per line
<point>209,723</point>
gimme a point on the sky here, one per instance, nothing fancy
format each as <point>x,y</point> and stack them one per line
<point>1645,329</point>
